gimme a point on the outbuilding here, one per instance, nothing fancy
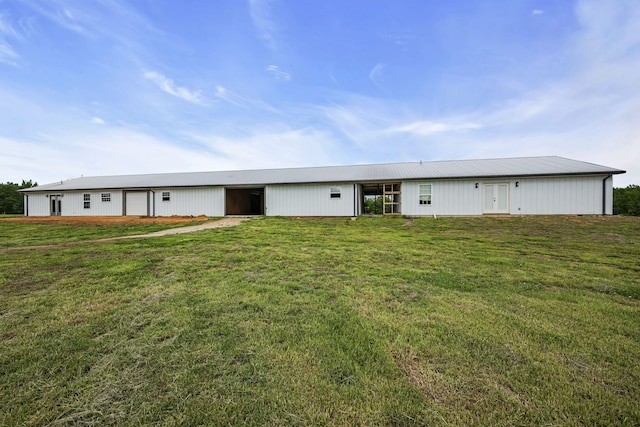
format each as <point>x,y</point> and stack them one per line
<point>509,186</point>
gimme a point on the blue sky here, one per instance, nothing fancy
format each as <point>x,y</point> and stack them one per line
<point>107,87</point>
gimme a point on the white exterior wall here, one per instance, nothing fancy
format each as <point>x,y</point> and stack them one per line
<point>447,198</point>
<point>580,195</point>
<point>73,204</point>
<point>309,200</point>
<point>37,205</point>
<point>189,201</point>
<point>568,195</point>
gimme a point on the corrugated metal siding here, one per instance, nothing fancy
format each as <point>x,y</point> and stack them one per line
<point>190,201</point>
<point>111,208</point>
<point>38,205</point>
<point>309,200</point>
<point>533,196</point>
<point>557,196</point>
<point>73,204</point>
<point>447,198</point>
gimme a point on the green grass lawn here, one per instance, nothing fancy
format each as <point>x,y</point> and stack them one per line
<point>379,321</point>
<point>17,234</point>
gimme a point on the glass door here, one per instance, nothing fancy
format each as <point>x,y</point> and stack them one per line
<point>55,201</point>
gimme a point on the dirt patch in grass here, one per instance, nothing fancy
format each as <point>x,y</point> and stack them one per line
<point>430,381</point>
<point>104,220</point>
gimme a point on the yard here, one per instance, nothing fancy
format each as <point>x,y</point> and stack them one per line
<point>277,321</point>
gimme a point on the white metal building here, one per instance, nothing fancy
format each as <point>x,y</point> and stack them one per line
<point>516,186</point>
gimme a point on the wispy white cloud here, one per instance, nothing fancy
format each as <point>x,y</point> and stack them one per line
<point>8,55</point>
<point>375,75</point>
<point>604,51</point>
<point>273,147</point>
<point>115,19</point>
<point>65,14</point>
<point>609,30</point>
<point>372,124</point>
<point>593,113</point>
<point>238,100</point>
<point>359,119</point>
<point>261,12</point>
<point>276,72</point>
<point>226,95</point>
<point>590,110</point>
<point>401,38</point>
<point>168,86</point>
<point>34,158</point>
<point>6,28</point>
<point>426,127</point>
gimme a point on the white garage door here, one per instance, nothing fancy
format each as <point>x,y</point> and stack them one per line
<point>137,203</point>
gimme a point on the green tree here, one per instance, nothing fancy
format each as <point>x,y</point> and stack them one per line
<point>626,201</point>
<point>373,205</point>
<point>11,201</point>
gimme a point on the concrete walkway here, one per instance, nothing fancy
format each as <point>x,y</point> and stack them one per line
<point>224,222</point>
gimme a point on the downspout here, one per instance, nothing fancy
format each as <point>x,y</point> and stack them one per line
<point>355,208</point>
<point>153,205</point>
<point>26,205</point>
<point>604,196</point>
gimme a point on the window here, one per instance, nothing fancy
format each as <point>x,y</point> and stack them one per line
<point>86,197</point>
<point>106,197</point>
<point>166,196</point>
<point>425,194</point>
<point>391,201</point>
<point>335,192</point>
<point>392,188</point>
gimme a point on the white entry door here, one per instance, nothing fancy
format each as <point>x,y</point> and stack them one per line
<point>496,198</point>
<point>136,203</point>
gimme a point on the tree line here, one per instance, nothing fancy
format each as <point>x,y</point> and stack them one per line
<point>12,202</point>
<point>626,201</point>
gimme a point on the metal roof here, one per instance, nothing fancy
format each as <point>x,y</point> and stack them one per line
<point>485,168</point>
